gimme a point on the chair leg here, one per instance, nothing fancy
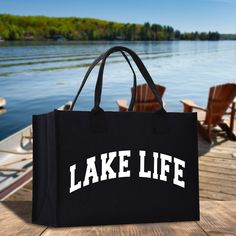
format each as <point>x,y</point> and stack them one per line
<point>232,116</point>
<point>205,133</point>
<point>228,131</point>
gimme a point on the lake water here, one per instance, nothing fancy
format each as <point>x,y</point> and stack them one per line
<point>38,77</point>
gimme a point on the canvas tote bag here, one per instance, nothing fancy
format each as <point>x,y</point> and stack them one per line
<point>103,167</point>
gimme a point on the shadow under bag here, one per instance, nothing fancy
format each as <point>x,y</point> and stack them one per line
<point>101,167</point>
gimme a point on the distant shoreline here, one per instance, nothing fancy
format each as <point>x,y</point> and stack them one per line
<point>44,28</point>
<point>14,27</point>
<point>102,41</point>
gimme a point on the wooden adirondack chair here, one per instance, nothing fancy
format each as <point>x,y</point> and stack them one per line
<point>220,103</point>
<point>145,99</point>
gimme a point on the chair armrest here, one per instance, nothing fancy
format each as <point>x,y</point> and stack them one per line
<point>123,105</point>
<point>189,105</point>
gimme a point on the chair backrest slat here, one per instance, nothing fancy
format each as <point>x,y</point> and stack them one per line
<point>219,100</point>
<point>145,99</point>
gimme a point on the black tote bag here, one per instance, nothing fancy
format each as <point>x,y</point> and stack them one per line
<point>101,167</point>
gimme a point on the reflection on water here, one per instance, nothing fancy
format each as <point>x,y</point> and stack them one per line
<point>38,77</point>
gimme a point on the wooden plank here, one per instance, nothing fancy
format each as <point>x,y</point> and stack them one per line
<point>29,185</point>
<point>224,149</point>
<point>217,155</point>
<point>225,168</point>
<point>216,220</point>
<point>218,188</point>
<point>24,194</point>
<point>181,228</point>
<point>216,175</point>
<point>212,195</point>
<point>215,152</point>
<point>226,143</point>
<point>227,163</point>
<point>15,219</point>
<point>225,156</point>
<point>217,181</point>
<point>216,169</point>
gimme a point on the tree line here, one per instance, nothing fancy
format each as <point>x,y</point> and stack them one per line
<point>228,36</point>
<point>73,28</point>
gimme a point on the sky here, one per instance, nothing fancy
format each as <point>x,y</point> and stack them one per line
<point>184,15</point>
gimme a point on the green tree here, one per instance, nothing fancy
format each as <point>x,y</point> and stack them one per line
<point>177,34</point>
<point>155,29</point>
<point>14,33</point>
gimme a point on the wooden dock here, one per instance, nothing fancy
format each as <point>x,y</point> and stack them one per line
<point>217,218</point>
<point>217,169</point>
